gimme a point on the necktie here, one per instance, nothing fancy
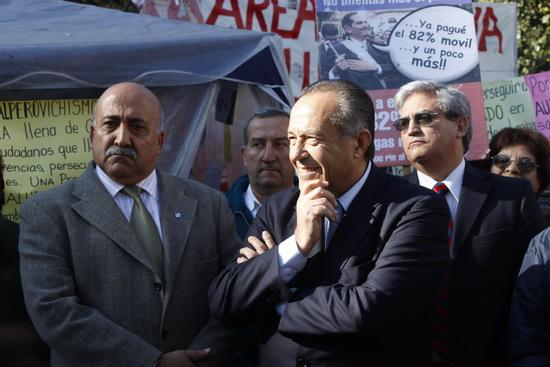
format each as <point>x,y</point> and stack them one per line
<point>333,225</point>
<point>440,340</point>
<point>145,229</point>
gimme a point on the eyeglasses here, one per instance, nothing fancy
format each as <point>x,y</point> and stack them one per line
<point>525,165</point>
<point>421,118</point>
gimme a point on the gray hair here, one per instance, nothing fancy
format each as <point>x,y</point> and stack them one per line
<point>263,113</point>
<point>450,101</point>
<point>354,112</point>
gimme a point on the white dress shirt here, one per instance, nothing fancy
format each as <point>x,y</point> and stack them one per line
<point>453,182</point>
<point>149,195</point>
<point>251,201</point>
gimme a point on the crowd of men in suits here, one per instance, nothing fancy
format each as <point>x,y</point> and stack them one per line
<point>127,266</point>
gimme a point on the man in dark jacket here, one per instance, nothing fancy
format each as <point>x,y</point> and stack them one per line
<point>265,156</point>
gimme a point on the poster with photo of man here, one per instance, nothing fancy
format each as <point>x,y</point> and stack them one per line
<point>381,45</point>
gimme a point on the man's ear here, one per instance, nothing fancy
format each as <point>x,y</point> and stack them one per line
<point>160,140</point>
<point>462,126</point>
<point>243,155</point>
<point>363,141</point>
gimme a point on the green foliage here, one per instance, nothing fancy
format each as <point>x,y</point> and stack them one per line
<point>534,36</point>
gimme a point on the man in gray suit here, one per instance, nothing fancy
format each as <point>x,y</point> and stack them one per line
<point>92,288</point>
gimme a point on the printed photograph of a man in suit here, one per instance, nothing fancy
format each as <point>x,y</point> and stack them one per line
<point>351,56</point>
<point>115,265</point>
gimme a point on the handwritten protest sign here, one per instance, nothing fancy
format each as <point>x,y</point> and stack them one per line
<point>539,88</point>
<point>44,143</point>
<point>507,104</point>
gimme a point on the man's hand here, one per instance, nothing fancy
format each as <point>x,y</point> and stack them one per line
<point>341,63</point>
<point>314,204</point>
<point>182,358</point>
<point>259,247</point>
<point>362,65</point>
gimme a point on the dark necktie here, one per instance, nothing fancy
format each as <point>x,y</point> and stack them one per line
<point>440,340</point>
<point>145,228</point>
<point>333,225</point>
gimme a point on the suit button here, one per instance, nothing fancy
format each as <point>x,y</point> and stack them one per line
<point>300,362</point>
<point>158,286</point>
<point>164,334</point>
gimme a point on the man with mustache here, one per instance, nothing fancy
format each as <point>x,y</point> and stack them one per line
<point>265,156</point>
<point>116,264</point>
<point>359,254</point>
<point>493,220</point>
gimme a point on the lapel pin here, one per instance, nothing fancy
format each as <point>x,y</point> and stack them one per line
<point>178,215</point>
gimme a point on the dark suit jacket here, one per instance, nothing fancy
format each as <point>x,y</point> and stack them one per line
<point>366,301</point>
<point>495,220</point>
<point>366,79</point>
<point>89,286</point>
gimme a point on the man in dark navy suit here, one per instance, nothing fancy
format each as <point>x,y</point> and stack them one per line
<point>493,220</point>
<point>359,257</point>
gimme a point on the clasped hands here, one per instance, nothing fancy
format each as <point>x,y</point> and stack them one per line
<point>314,204</point>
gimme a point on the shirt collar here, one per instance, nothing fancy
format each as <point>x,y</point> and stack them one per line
<point>453,181</point>
<point>346,198</point>
<point>148,184</point>
<point>251,201</point>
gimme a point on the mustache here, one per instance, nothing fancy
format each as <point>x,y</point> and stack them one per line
<point>118,150</point>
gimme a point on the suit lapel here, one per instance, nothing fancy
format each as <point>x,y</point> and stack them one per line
<point>177,216</point>
<point>475,188</point>
<point>358,219</point>
<point>98,208</point>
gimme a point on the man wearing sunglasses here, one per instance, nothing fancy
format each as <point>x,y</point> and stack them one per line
<point>493,220</point>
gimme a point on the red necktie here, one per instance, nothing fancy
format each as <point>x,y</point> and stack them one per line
<point>440,340</point>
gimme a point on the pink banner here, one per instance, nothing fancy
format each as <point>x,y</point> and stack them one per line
<point>539,88</point>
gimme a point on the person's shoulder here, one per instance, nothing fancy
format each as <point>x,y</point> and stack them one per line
<point>402,187</point>
<point>514,186</point>
<point>187,186</point>
<point>282,199</point>
<point>238,188</point>
<point>55,195</point>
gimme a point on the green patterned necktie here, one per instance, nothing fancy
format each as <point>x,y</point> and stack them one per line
<point>145,228</point>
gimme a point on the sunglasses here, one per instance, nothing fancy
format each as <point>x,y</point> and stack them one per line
<point>421,118</point>
<point>524,165</point>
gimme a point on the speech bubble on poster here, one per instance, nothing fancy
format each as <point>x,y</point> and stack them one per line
<point>436,42</point>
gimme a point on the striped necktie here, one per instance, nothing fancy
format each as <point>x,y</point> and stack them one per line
<point>333,225</point>
<point>440,339</point>
<point>146,230</point>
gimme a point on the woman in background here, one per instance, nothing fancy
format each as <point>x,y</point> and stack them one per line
<point>523,153</point>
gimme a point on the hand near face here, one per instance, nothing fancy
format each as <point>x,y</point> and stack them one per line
<point>182,358</point>
<point>260,246</point>
<point>314,204</point>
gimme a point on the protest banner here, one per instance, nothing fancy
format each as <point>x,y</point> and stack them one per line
<point>539,88</point>
<point>382,45</point>
<point>293,20</point>
<point>44,143</point>
<point>508,103</point>
<point>496,29</point>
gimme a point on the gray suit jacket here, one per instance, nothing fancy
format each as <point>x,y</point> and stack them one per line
<point>90,289</point>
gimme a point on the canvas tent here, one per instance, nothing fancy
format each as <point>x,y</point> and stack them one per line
<point>58,49</point>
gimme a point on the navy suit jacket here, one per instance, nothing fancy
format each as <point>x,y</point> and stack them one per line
<point>495,220</point>
<point>366,300</point>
